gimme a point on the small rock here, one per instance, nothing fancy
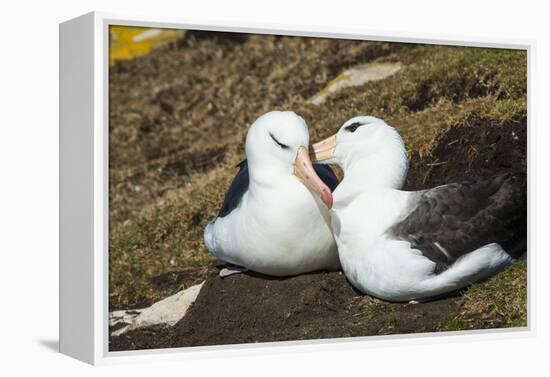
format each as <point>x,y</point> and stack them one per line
<point>164,312</point>
<point>173,262</point>
<point>356,76</point>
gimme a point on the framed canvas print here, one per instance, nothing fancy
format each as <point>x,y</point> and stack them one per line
<point>242,187</point>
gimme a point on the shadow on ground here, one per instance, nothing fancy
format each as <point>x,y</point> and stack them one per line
<point>51,344</point>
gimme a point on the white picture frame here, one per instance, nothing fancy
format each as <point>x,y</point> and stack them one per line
<point>84,70</point>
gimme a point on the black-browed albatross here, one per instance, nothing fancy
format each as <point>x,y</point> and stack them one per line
<point>274,218</point>
<point>408,246</point>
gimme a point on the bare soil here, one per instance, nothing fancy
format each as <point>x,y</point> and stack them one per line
<point>481,148</point>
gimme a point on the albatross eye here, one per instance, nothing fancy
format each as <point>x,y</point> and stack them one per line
<point>283,146</point>
<point>354,126</point>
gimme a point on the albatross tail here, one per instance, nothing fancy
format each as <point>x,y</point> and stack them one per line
<point>477,265</point>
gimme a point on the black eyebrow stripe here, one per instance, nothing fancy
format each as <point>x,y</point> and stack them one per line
<point>352,127</point>
<point>284,146</point>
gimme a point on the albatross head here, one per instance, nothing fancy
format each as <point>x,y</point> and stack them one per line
<point>277,145</point>
<point>367,148</point>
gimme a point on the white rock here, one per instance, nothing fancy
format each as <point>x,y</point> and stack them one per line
<point>164,312</point>
<point>356,76</point>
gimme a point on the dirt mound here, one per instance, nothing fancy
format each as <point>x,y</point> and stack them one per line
<point>474,149</point>
<point>255,308</point>
<point>252,308</point>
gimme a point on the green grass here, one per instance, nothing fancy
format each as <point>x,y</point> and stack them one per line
<point>347,334</point>
<point>498,302</point>
<point>452,324</point>
<point>371,307</point>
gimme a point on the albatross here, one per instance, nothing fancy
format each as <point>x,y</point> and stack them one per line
<point>274,218</point>
<point>416,245</point>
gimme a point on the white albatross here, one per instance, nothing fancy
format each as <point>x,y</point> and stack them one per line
<point>408,246</point>
<point>274,218</point>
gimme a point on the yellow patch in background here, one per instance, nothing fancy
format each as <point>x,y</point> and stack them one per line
<point>127,42</point>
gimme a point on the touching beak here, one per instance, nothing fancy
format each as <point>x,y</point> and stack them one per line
<point>323,150</point>
<point>303,169</point>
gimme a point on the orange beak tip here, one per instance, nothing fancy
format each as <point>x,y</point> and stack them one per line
<point>329,204</point>
<point>328,199</point>
<point>303,169</point>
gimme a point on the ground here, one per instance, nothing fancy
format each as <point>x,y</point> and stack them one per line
<point>178,118</point>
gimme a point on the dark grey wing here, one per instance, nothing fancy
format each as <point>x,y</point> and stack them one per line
<point>236,191</point>
<point>327,175</point>
<point>449,221</point>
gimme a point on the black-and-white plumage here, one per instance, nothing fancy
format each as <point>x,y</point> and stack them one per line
<point>400,245</point>
<point>449,221</point>
<point>274,218</point>
<point>241,181</point>
<point>236,190</point>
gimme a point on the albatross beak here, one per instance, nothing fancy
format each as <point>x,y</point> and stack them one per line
<point>303,169</point>
<point>323,150</point>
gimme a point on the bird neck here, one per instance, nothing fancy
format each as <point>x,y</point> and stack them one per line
<point>385,169</point>
<point>268,172</point>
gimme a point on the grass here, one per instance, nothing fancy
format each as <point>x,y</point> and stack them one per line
<point>498,302</point>
<point>371,307</point>
<point>347,334</point>
<point>179,118</point>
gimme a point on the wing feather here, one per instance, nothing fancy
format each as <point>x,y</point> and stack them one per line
<point>449,221</point>
<point>241,182</point>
